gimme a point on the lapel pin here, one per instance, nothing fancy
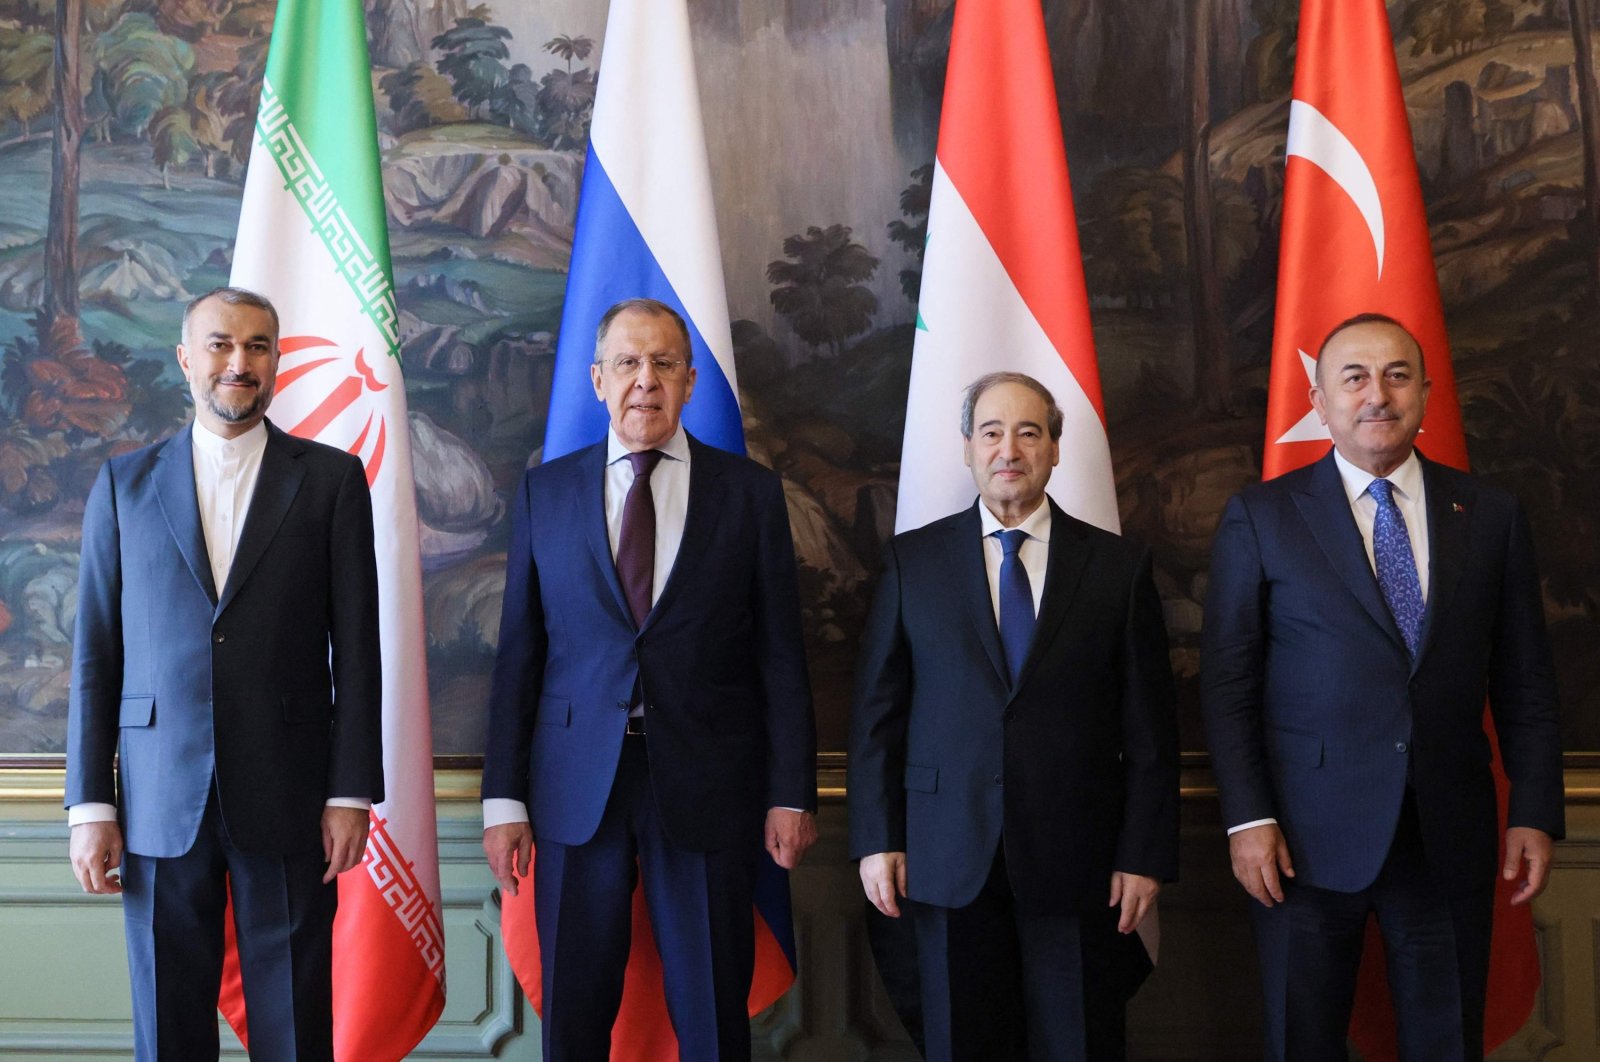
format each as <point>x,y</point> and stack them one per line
<point>1457,507</point>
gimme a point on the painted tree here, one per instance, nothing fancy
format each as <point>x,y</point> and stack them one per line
<point>1134,245</point>
<point>27,58</point>
<point>473,51</point>
<point>1438,26</point>
<point>822,292</point>
<point>1212,381</point>
<point>146,70</point>
<point>58,322</point>
<point>517,101</point>
<point>1269,57</point>
<point>912,233</point>
<point>569,48</point>
<point>172,141</point>
<point>419,96</point>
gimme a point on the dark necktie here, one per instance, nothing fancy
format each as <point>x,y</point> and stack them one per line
<point>636,542</point>
<point>1397,566</point>
<point>1016,602</point>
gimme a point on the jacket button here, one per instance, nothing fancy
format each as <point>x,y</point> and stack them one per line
<point>1400,746</point>
<point>623,705</point>
<point>221,638</point>
<point>997,779</point>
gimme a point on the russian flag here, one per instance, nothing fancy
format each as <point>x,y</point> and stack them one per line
<point>647,228</point>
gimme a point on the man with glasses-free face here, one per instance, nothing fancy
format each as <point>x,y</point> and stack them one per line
<point>650,718</point>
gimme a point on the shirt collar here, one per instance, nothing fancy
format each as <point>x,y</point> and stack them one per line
<point>1407,479</point>
<point>676,447</point>
<point>1036,526</point>
<point>249,444</point>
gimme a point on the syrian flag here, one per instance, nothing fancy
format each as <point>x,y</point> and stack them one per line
<point>1355,240</point>
<point>647,228</point>
<point>313,239</point>
<point>1002,277</point>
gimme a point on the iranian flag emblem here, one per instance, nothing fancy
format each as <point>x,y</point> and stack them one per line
<point>313,239</point>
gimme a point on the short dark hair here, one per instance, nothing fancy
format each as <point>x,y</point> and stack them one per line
<point>233,297</point>
<point>975,390</point>
<point>650,307</point>
<point>1371,318</point>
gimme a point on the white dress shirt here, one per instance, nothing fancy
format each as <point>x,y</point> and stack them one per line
<point>1034,551</point>
<point>669,488</point>
<point>1409,496</point>
<point>225,474</point>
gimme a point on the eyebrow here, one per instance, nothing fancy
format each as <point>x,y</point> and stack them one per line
<point>258,337</point>
<point>997,422</point>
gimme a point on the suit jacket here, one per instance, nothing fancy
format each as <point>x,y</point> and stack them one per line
<point>719,659</point>
<point>271,685</point>
<point>1075,766</point>
<point>1315,712</point>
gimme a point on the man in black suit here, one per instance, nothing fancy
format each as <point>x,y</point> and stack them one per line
<point>227,652</point>
<point>1013,751</point>
<point>1359,611</point>
<point>650,718</point>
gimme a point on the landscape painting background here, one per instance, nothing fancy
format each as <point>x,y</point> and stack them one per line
<point>821,117</point>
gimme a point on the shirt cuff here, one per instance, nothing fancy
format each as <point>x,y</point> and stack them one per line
<point>1252,824</point>
<point>501,811</point>
<point>350,802</point>
<point>78,814</point>
<point>780,807</point>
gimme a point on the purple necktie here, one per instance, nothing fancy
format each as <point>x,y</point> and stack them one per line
<point>1396,564</point>
<point>636,543</point>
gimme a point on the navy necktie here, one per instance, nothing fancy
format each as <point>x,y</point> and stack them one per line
<point>636,542</point>
<point>1016,602</point>
<point>1397,566</point>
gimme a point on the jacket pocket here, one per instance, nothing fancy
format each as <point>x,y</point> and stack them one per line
<point>136,711</point>
<point>1291,746</point>
<point>554,711</point>
<point>307,707</point>
<point>922,779</point>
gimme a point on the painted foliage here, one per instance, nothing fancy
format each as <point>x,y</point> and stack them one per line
<point>821,120</point>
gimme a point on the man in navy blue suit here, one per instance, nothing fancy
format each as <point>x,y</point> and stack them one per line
<point>1359,611</point>
<point>227,653</point>
<point>650,718</point>
<point>1014,753</point>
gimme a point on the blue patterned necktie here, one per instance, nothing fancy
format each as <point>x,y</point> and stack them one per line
<point>1016,602</point>
<point>1397,566</point>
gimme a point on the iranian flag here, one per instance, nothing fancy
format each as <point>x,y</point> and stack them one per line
<point>313,239</point>
<point>1355,240</point>
<point>1002,278</point>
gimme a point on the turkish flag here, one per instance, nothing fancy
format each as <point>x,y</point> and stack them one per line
<point>1355,240</point>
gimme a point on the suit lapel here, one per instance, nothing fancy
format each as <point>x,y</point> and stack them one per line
<point>706,492</point>
<point>1063,570</point>
<point>588,488</point>
<point>180,505</point>
<point>964,547</point>
<point>1326,511</point>
<point>276,486</point>
<point>1449,531</point>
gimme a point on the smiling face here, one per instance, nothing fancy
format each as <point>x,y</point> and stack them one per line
<point>229,355</point>
<point>1371,392</point>
<point>1010,452</point>
<point>644,404</point>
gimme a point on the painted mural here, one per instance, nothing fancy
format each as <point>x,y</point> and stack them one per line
<point>120,178</point>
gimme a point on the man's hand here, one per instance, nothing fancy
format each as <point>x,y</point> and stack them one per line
<point>344,838</point>
<point>1524,844</point>
<point>510,850</point>
<point>789,834</point>
<point>883,877</point>
<point>1137,895</point>
<point>95,849</point>
<point>1259,856</point>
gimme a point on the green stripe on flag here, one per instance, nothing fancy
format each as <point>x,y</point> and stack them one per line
<point>317,120</point>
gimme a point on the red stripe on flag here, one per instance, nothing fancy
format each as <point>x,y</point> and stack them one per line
<point>375,465</point>
<point>294,344</point>
<point>1000,143</point>
<point>643,1029</point>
